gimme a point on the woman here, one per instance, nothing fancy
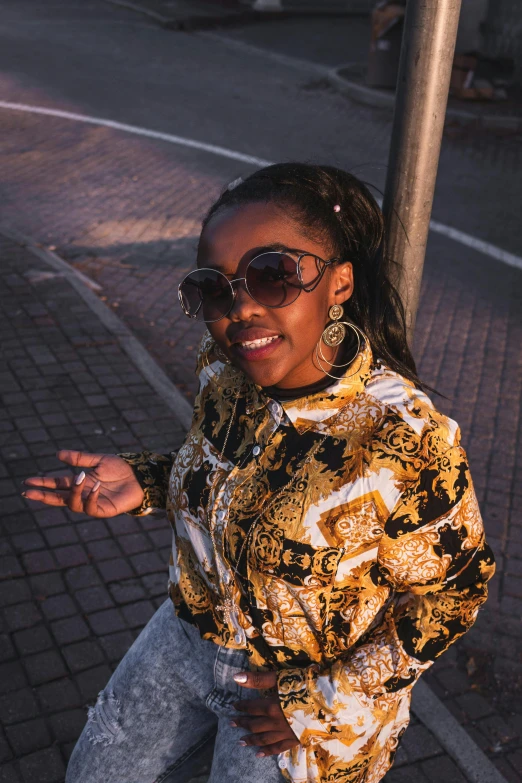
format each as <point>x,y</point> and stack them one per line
<point>327,541</point>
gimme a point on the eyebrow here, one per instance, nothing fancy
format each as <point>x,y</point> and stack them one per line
<point>277,247</point>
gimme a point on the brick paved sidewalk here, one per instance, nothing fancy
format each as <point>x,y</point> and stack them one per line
<point>76,591</point>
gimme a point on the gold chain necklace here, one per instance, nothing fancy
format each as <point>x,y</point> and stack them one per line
<point>226,585</point>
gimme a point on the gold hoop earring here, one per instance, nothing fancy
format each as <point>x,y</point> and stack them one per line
<point>333,335</point>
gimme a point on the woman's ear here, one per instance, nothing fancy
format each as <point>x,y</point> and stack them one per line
<point>342,282</point>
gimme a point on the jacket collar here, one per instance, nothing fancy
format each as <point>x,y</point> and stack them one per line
<point>314,412</point>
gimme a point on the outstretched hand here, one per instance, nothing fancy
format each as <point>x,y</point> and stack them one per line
<point>105,488</point>
<point>264,718</point>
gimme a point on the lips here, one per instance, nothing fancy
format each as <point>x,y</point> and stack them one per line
<point>255,343</point>
<point>252,334</point>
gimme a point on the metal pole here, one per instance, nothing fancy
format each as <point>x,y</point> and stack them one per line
<point>430,32</point>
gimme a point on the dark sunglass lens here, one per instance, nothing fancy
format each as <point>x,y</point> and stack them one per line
<point>206,295</point>
<point>272,279</point>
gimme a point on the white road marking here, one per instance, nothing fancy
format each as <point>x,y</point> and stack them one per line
<point>136,130</point>
<point>486,248</point>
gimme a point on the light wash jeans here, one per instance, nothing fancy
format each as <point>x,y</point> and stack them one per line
<point>170,694</point>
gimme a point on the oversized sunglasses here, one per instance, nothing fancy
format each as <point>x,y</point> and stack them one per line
<point>272,279</point>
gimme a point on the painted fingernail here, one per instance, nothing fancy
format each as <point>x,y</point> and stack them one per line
<point>234,725</point>
<point>80,478</point>
<point>95,488</point>
<point>259,755</point>
<point>240,677</point>
<point>241,742</point>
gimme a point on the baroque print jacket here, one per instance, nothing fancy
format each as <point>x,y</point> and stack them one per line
<point>350,521</point>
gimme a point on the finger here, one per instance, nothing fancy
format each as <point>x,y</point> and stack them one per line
<point>263,739</point>
<point>255,707</point>
<point>51,482</point>
<point>79,459</point>
<point>75,501</point>
<point>278,747</point>
<point>259,680</point>
<point>91,503</point>
<point>49,498</point>
<point>254,725</point>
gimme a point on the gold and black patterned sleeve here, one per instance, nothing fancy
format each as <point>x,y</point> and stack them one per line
<point>152,471</point>
<point>434,556</point>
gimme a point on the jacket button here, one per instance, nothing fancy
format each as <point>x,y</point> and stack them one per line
<point>256,450</point>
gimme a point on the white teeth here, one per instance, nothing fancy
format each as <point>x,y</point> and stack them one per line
<point>251,344</point>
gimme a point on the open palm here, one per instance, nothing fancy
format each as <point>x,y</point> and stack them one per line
<point>105,487</point>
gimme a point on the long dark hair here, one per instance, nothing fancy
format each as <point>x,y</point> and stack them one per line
<point>356,233</point>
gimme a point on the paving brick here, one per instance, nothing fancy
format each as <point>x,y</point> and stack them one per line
<point>442,769</point>
<point>92,530</point>
<point>46,766</point>
<point>138,614</point>
<point>474,705</point>
<point>5,751</point>
<point>39,562</point>
<point>155,584</point>
<point>13,591</point>
<point>68,556</point>
<point>32,640</point>
<point>420,744</point>
<point>67,726</point>
<point>72,629</point>
<point>115,570</point>
<point>9,774</point>
<point>22,615</point>
<point>134,543</point>
<point>7,650</point>
<point>122,525</point>
<point>82,655</point>
<point>44,667</point>
<point>127,592</point>
<point>26,542</point>
<point>12,677</point>
<point>28,736</point>
<point>106,622</point>
<point>59,536</point>
<point>44,585</point>
<point>17,705</point>
<point>81,577</point>
<point>104,549</point>
<point>58,606</point>
<point>116,645</point>
<point>91,682</point>
<point>59,695</point>
<point>411,774</point>
<point>148,562</point>
<point>10,567</point>
<point>93,599</point>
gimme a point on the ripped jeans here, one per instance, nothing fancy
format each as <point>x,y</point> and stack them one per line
<point>170,694</point>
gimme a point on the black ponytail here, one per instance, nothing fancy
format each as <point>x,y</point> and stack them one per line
<point>356,233</point>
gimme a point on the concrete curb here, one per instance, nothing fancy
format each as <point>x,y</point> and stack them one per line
<point>428,708</point>
<point>201,21</point>
<point>386,99</point>
<point>137,353</point>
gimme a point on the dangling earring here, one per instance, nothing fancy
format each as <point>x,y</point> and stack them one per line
<point>333,335</point>
<point>232,379</point>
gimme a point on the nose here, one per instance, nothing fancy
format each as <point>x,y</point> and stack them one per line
<point>244,307</point>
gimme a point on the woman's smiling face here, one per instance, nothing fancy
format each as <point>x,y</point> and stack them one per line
<point>273,346</point>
